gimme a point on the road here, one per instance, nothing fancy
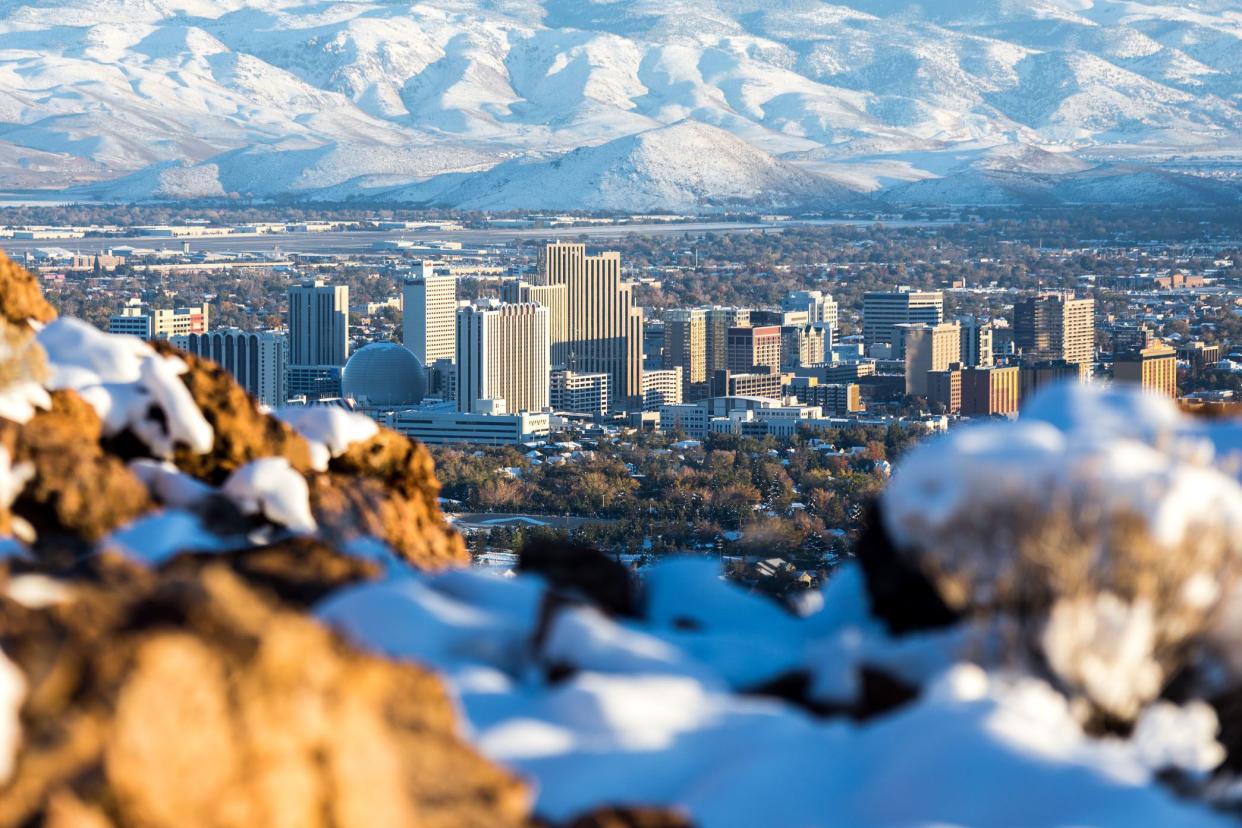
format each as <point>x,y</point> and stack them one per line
<point>487,520</point>
<point>364,241</point>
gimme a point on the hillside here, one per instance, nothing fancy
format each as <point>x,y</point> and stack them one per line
<point>277,97</point>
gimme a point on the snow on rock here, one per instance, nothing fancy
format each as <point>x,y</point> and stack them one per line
<point>128,384</point>
<point>271,487</point>
<point>20,400</point>
<point>12,694</point>
<point>329,429</point>
<point>13,478</point>
<point>168,484</point>
<point>157,536</point>
<point>38,591</point>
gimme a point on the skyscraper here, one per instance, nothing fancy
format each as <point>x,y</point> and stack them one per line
<point>318,339</point>
<point>258,361</point>
<point>1055,326</point>
<point>318,324</point>
<point>928,348</point>
<point>719,321</point>
<point>820,307</point>
<point>685,344</point>
<point>749,348</point>
<point>502,354</point>
<point>976,342</point>
<point>604,331</point>
<point>552,297</point>
<point>429,326</point>
<point>884,310</point>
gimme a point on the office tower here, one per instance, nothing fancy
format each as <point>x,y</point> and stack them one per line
<point>502,359</point>
<point>653,344</point>
<point>820,307</point>
<point>945,388</point>
<point>662,387</point>
<point>976,342</point>
<point>749,348</point>
<point>139,319</point>
<point>553,297</point>
<point>318,324</point>
<point>1153,366</point>
<point>803,345</point>
<point>1127,338</point>
<point>1035,375</point>
<point>579,393</point>
<point>442,379</point>
<point>716,343</point>
<point>318,339</point>
<point>1055,326</point>
<point>604,331</point>
<point>258,361</point>
<point>727,383</point>
<point>928,348</point>
<point>429,327</point>
<point>991,391</point>
<point>883,311</point>
<point>685,343</point>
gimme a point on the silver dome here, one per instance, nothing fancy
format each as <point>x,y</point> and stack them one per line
<point>384,375</point>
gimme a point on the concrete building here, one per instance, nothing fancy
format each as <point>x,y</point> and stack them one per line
<point>437,428</point>
<point>604,330</point>
<point>1199,354</point>
<point>429,324</point>
<point>805,344</point>
<point>503,354</point>
<point>555,299</point>
<point>318,324</point>
<point>976,347</point>
<point>442,379</point>
<point>945,388</point>
<point>883,311</point>
<point>579,393</point>
<point>315,383</point>
<point>928,348</point>
<point>718,322</point>
<point>751,348</point>
<point>258,361</point>
<point>140,320</point>
<point>836,399</point>
<point>769,385</point>
<point>1036,375</point>
<point>820,307</point>
<point>991,391</point>
<point>661,388</point>
<point>1154,367</point>
<point>685,344</point>
<point>1056,327</point>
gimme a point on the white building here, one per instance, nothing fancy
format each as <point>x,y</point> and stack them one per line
<point>258,361</point>
<point>661,388</point>
<point>503,354</point>
<point>429,326</point>
<point>437,427</point>
<point>820,307</point>
<point>579,393</point>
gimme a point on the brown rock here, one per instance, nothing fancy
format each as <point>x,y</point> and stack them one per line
<point>242,432</point>
<point>211,706</point>
<point>631,818</point>
<point>20,297</point>
<point>78,493</point>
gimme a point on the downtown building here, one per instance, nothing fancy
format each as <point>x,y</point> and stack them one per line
<point>318,339</point>
<point>883,311</point>
<point>820,307</point>
<point>928,348</point>
<point>503,359</point>
<point>258,361</point>
<point>685,345</point>
<point>555,299</point>
<point>1055,327</point>
<point>145,322</point>
<point>429,323</point>
<point>603,328</point>
<point>1154,367</point>
<point>718,322</point>
<point>579,393</point>
<point>749,348</point>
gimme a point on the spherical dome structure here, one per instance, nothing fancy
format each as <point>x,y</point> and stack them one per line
<point>384,375</point>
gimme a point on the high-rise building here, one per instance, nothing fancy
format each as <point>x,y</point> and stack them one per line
<point>685,343</point>
<point>803,345</point>
<point>1035,375</point>
<point>502,355</point>
<point>976,342</point>
<point>662,387</point>
<point>553,297</point>
<point>928,348</point>
<point>991,391</point>
<point>945,388</point>
<point>716,343</point>
<point>604,331</point>
<point>258,361</point>
<point>579,393</point>
<point>1055,326</point>
<point>820,307</point>
<point>429,325</point>
<point>749,348</point>
<point>318,324</point>
<point>883,311</point>
<point>141,320</point>
<point>1154,367</point>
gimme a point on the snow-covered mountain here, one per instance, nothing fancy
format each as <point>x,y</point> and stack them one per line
<point>603,103</point>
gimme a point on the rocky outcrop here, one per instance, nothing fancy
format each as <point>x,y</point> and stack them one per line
<point>151,688</point>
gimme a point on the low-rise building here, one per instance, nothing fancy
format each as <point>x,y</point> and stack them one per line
<point>445,427</point>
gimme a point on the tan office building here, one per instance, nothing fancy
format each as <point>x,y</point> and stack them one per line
<point>553,297</point>
<point>1056,326</point>
<point>749,348</point>
<point>990,391</point>
<point>685,343</point>
<point>502,354</point>
<point>1153,367</point>
<point>928,348</point>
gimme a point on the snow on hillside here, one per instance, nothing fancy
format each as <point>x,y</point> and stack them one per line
<point>108,89</point>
